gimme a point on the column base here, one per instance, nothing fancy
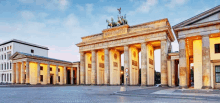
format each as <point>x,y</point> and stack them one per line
<point>164,85</point>
<point>183,87</point>
<point>28,84</point>
<point>206,87</point>
<point>38,84</point>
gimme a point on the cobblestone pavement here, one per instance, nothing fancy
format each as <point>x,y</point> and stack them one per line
<point>85,94</point>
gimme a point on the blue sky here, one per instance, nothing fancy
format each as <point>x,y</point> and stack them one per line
<point>60,24</point>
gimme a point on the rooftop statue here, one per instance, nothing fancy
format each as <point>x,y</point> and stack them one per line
<point>121,20</point>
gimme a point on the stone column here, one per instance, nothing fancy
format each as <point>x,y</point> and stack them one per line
<point>206,65</point>
<point>38,73</point>
<point>17,73</point>
<point>22,73</point>
<point>94,69</point>
<point>56,76</point>
<point>107,68</point>
<point>164,50</point>
<point>64,75</point>
<point>82,68</point>
<point>27,73</point>
<point>77,76</point>
<point>13,73</point>
<point>48,74</point>
<point>182,64</point>
<point>173,73</point>
<point>71,72</point>
<point>126,64</point>
<point>143,64</point>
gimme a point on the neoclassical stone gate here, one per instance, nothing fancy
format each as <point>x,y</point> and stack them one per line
<point>100,54</point>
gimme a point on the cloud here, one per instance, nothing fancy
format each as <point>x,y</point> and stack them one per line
<point>89,9</point>
<point>50,4</point>
<point>144,7</point>
<point>27,15</point>
<point>174,3</point>
<point>71,21</point>
<point>81,8</point>
<point>110,9</point>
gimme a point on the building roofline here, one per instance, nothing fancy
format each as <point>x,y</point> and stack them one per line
<point>25,43</point>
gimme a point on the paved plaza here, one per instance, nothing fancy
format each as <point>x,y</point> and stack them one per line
<point>99,94</point>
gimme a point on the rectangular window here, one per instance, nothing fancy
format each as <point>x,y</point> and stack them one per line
<point>41,78</point>
<point>5,56</point>
<point>2,57</point>
<point>2,49</point>
<point>58,78</point>
<point>10,76</point>
<point>10,47</point>
<point>2,66</point>
<point>32,51</point>
<point>41,67</point>
<point>10,65</point>
<point>7,66</point>
<point>7,47</point>
<point>7,77</point>
<point>58,69</point>
<point>217,48</point>
<point>217,74</point>
<point>50,69</point>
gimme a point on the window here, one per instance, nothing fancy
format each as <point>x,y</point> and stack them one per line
<point>7,47</point>
<point>7,77</point>
<point>2,57</point>
<point>58,69</point>
<point>10,65</point>
<point>41,78</point>
<point>217,48</point>
<point>10,47</point>
<point>7,66</point>
<point>2,49</point>
<point>32,51</point>
<point>41,68</point>
<point>10,76</point>
<point>50,69</point>
<point>58,78</point>
<point>5,56</point>
<point>217,74</point>
<point>2,66</point>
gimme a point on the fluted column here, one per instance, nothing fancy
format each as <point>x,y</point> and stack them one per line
<point>17,72</point>
<point>22,73</point>
<point>107,68</point>
<point>71,72</point>
<point>77,76</point>
<point>126,64</point>
<point>94,69</point>
<point>164,75</point>
<point>82,68</point>
<point>56,76</point>
<point>206,65</point>
<point>13,73</point>
<point>182,64</point>
<point>48,74</point>
<point>143,64</point>
<point>173,71</point>
<point>64,75</point>
<point>27,73</point>
<point>38,73</point>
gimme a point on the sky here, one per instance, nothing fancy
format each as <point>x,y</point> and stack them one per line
<point>60,24</point>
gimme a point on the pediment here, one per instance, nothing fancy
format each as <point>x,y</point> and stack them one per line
<point>207,16</point>
<point>17,56</point>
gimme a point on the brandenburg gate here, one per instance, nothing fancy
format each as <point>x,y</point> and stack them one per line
<point>100,54</point>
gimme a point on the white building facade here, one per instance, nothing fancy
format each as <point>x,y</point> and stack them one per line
<point>8,48</point>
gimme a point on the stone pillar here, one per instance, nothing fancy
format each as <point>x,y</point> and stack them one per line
<point>38,73</point>
<point>82,68</point>
<point>107,68</point>
<point>64,75</point>
<point>126,64</point>
<point>143,64</point>
<point>48,74</point>
<point>17,73</point>
<point>94,69</point>
<point>22,73</point>
<point>71,72</point>
<point>77,75</point>
<point>173,63</point>
<point>13,73</point>
<point>164,75</point>
<point>182,64</point>
<point>27,73</point>
<point>206,65</point>
<point>56,76</point>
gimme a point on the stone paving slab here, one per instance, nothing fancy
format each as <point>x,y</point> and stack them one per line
<point>214,91</point>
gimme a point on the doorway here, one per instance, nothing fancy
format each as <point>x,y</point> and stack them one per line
<point>51,79</point>
<point>68,77</point>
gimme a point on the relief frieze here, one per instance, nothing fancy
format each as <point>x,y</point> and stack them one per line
<point>115,64</point>
<point>101,65</point>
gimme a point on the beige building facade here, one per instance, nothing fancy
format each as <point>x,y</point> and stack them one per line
<point>34,69</point>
